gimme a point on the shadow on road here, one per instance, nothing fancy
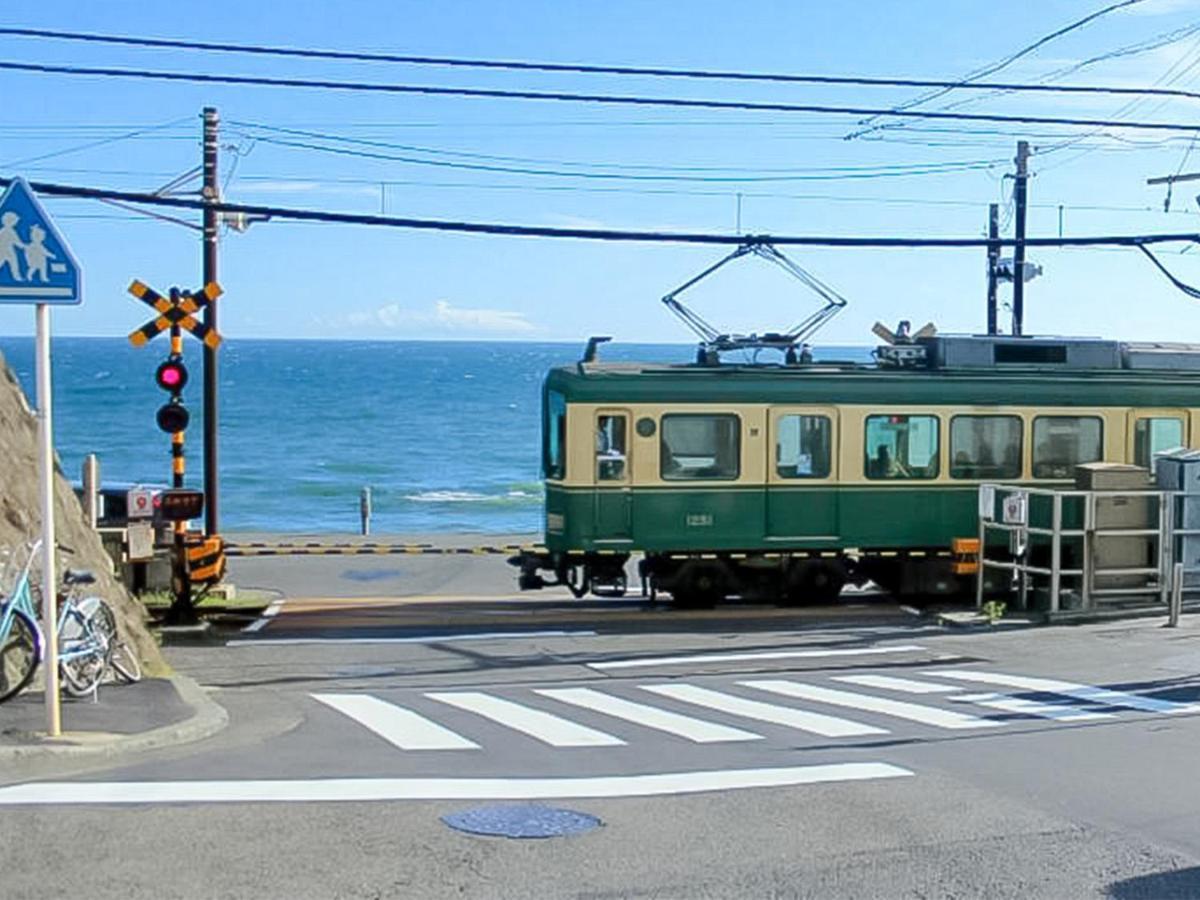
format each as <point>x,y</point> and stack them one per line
<point>1180,883</point>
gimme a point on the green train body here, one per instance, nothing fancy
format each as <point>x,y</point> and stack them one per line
<point>787,480</point>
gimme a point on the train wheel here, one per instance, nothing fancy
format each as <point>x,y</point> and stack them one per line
<point>700,584</point>
<point>815,583</point>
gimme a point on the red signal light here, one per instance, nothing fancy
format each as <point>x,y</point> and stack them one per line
<point>171,375</point>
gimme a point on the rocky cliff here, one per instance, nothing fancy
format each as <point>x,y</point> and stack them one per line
<point>21,519</point>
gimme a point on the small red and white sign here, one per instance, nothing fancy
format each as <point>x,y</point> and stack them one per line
<point>140,503</point>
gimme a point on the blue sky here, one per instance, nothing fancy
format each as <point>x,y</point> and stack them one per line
<point>301,280</point>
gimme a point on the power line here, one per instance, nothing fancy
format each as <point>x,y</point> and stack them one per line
<point>966,82</point>
<point>595,234</point>
<point>611,99</point>
<point>877,172</point>
<point>588,69</point>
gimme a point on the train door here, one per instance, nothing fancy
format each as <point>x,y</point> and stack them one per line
<point>802,476</point>
<point>1151,431</point>
<point>613,494</point>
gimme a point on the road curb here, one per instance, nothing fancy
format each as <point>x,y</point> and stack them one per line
<point>208,717</point>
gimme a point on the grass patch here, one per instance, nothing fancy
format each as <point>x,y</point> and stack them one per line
<point>245,599</point>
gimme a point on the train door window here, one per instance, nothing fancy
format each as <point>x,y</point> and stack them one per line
<point>1153,435</point>
<point>700,447</point>
<point>1060,443</point>
<point>802,447</point>
<point>985,447</point>
<point>555,436</point>
<point>902,447</point>
<point>611,447</point>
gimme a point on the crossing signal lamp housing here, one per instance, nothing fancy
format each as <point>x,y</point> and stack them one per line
<point>171,376</point>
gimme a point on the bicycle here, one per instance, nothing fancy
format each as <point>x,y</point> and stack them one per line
<point>89,643</point>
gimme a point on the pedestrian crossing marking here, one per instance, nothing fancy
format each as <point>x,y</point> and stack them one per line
<point>696,730</point>
<point>1086,692</point>
<point>1027,707</point>
<point>891,683</point>
<point>545,727</point>
<point>395,724</point>
<point>926,715</point>
<point>818,723</point>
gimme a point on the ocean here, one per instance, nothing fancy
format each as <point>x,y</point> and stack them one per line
<point>446,434</point>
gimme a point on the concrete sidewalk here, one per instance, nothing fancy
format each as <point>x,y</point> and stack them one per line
<point>152,714</point>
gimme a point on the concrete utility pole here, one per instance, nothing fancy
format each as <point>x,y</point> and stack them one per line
<point>993,262</point>
<point>1020,197</point>
<point>212,194</point>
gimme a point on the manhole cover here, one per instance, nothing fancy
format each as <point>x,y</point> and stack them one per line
<point>530,821</point>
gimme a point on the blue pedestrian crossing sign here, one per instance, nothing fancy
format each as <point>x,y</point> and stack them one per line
<point>36,265</point>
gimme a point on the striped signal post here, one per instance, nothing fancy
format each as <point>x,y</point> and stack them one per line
<point>175,315</point>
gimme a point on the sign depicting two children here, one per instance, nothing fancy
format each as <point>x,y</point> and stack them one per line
<point>36,266</point>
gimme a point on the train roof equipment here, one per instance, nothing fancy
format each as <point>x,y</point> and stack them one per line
<point>714,342</point>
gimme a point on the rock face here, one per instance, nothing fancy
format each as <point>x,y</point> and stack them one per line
<point>21,518</point>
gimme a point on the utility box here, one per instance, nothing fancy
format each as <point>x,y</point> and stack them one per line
<point>1126,512</point>
<point>1179,470</point>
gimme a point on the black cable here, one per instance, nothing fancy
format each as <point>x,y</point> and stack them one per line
<point>586,69</point>
<point>611,99</point>
<point>1192,292</point>
<point>595,234</point>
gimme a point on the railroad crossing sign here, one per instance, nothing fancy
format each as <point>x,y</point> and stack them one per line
<point>178,310</point>
<point>36,265</point>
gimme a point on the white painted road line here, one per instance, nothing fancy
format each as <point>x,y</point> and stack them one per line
<point>891,683</point>
<point>1086,692</point>
<point>817,723</point>
<point>424,639</point>
<point>915,712</point>
<point>750,657</point>
<point>268,614</point>
<point>395,724</point>
<point>357,790</point>
<point>1056,711</point>
<point>697,730</point>
<point>547,728</point>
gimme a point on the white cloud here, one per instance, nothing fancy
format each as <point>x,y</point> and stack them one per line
<point>1161,7</point>
<point>444,319</point>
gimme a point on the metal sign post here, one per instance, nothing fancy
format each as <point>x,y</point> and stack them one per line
<point>37,267</point>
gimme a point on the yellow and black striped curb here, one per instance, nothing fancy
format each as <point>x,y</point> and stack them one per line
<point>318,549</point>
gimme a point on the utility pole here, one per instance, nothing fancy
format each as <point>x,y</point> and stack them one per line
<point>993,262</point>
<point>212,195</point>
<point>1020,196</point>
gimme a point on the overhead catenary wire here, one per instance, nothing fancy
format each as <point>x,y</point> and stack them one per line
<point>570,97</point>
<point>596,234</point>
<point>622,70</point>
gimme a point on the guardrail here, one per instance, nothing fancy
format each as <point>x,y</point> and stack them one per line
<point>1073,529</point>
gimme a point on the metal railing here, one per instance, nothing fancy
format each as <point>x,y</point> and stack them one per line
<point>1073,529</point>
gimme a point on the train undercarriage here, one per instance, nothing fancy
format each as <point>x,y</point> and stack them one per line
<point>705,579</point>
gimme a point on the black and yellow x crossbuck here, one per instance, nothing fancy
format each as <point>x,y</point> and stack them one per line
<point>179,310</point>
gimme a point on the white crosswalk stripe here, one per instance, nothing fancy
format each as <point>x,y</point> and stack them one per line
<point>1026,707</point>
<point>698,730</point>
<point>544,726</point>
<point>818,723</point>
<point>402,727</point>
<point>915,712</point>
<point>891,683</point>
<point>1086,692</point>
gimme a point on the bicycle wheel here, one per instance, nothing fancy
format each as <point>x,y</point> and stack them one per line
<point>20,651</point>
<point>124,663</point>
<point>81,673</point>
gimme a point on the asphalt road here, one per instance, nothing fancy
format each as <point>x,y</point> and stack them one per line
<point>848,751</point>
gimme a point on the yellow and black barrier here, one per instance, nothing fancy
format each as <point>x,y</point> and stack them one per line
<point>206,561</point>
<point>319,549</point>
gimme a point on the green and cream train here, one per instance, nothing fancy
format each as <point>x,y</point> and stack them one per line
<point>786,481</point>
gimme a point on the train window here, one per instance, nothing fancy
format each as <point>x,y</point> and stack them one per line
<point>1154,435</point>
<point>700,447</point>
<point>900,447</point>
<point>610,448</point>
<point>802,447</point>
<point>555,436</point>
<point>1060,443</point>
<point>985,447</point>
